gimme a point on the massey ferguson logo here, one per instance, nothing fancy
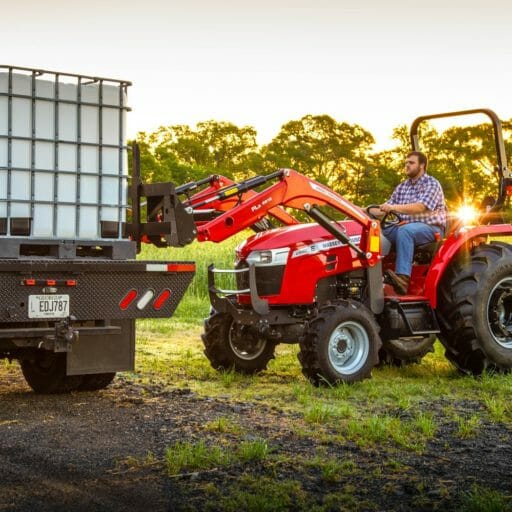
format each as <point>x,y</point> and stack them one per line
<point>323,246</point>
<point>256,207</point>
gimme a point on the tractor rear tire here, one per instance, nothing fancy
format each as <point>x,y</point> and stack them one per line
<point>475,310</point>
<point>45,373</point>
<point>341,344</point>
<point>405,351</point>
<point>233,346</point>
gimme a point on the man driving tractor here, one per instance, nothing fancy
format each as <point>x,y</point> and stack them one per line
<point>419,204</point>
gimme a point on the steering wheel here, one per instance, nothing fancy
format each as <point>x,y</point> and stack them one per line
<point>389,219</point>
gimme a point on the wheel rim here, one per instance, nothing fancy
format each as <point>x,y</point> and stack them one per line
<point>246,345</point>
<point>349,346</point>
<point>499,310</point>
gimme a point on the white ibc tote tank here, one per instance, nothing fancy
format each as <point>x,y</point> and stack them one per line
<point>63,159</point>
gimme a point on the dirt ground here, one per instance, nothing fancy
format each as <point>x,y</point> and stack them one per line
<point>72,452</point>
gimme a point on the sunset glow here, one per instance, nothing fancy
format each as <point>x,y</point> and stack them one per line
<point>264,63</point>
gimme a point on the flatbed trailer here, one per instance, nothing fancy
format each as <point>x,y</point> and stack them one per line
<point>70,284</point>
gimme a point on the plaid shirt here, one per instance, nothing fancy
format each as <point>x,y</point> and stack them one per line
<point>426,190</point>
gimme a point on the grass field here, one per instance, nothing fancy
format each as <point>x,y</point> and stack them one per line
<point>171,350</point>
<point>399,409</point>
<point>397,414</point>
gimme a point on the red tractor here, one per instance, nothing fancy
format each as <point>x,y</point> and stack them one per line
<point>321,284</point>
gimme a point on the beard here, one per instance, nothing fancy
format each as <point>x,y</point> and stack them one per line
<point>414,173</point>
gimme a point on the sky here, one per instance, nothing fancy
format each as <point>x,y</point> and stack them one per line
<point>262,63</point>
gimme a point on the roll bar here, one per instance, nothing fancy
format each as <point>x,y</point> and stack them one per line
<point>504,173</point>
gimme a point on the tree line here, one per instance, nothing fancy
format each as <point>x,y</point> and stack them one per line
<point>337,154</point>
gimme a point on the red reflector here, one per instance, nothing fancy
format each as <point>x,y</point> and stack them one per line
<point>128,299</point>
<point>29,282</point>
<point>508,188</point>
<point>161,299</point>
<point>51,282</point>
<point>181,267</point>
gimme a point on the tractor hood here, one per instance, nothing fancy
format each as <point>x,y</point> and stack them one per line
<point>294,237</point>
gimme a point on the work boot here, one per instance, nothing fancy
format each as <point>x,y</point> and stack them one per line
<point>400,282</point>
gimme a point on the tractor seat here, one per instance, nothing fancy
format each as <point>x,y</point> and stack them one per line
<point>424,253</point>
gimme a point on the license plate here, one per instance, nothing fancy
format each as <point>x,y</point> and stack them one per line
<point>48,306</point>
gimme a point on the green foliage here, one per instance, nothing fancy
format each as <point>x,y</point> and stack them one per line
<point>332,468</point>
<point>411,434</point>
<point>320,413</point>
<point>425,424</point>
<point>332,153</point>
<point>181,154</point>
<point>481,499</point>
<point>499,408</point>
<point>186,456</point>
<point>252,451</point>
<point>335,153</point>
<point>223,425</point>
<point>468,427</point>
<point>259,494</point>
<point>158,164</point>
<point>192,457</point>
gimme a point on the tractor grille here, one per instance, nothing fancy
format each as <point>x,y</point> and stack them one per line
<point>268,278</point>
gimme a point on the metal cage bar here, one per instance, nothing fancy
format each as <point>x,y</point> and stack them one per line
<point>38,98</point>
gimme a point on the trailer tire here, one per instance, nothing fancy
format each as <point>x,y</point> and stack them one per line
<point>341,344</point>
<point>404,351</point>
<point>46,373</point>
<point>96,381</point>
<point>475,310</point>
<point>232,346</point>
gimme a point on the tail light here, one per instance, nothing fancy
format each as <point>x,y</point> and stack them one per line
<point>128,299</point>
<point>161,299</point>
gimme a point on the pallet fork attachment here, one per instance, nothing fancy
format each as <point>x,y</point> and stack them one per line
<point>168,222</point>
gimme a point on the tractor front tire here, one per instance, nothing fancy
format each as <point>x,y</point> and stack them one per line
<point>341,344</point>
<point>233,346</point>
<point>475,310</point>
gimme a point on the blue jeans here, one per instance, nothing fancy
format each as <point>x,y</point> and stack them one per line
<point>405,237</point>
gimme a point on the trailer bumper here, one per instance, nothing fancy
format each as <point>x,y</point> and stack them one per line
<point>42,291</point>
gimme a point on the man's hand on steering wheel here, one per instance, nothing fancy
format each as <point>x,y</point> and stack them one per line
<point>372,215</point>
<point>390,217</point>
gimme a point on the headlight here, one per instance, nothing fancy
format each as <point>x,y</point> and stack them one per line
<point>467,214</point>
<point>271,257</point>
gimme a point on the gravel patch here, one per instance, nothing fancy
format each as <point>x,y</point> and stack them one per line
<point>89,451</point>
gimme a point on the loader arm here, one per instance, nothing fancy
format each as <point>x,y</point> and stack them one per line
<point>218,183</point>
<point>296,191</point>
<point>160,216</point>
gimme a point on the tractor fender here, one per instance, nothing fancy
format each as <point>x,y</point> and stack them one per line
<point>457,241</point>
